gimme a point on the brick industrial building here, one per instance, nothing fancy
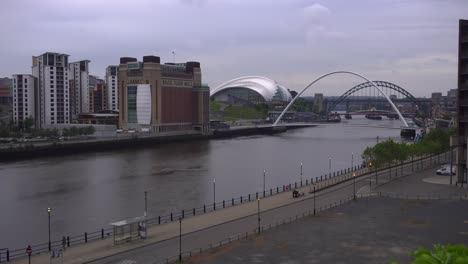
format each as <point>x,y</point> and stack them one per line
<point>162,97</point>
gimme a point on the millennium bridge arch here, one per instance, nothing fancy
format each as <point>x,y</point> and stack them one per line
<point>342,72</point>
<point>381,84</point>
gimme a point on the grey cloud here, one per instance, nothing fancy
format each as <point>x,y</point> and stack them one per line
<point>288,40</point>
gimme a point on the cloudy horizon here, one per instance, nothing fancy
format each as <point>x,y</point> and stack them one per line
<point>413,44</point>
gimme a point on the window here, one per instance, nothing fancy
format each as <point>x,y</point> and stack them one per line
<point>51,86</point>
<point>25,80</point>
<point>52,95</point>
<point>25,86</point>
<point>52,77</point>
<point>51,100</point>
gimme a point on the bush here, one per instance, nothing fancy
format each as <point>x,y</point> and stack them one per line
<point>450,254</point>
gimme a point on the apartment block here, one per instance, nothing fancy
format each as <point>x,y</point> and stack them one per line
<point>53,105</point>
<point>24,98</point>
<point>112,87</point>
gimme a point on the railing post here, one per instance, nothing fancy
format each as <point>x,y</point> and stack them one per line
<point>171,217</point>
<point>159,220</point>
<point>241,198</point>
<point>86,237</point>
<point>183,214</point>
<point>249,197</point>
<point>68,241</point>
<point>271,192</point>
<point>8,254</point>
<point>204,208</point>
<point>277,189</point>
<point>102,233</point>
<point>224,205</point>
<point>193,211</point>
<point>256,195</point>
<point>295,184</point>
<point>232,201</point>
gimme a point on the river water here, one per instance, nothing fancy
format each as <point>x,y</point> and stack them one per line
<point>88,191</point>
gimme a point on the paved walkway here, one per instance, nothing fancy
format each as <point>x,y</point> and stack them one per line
<point>371,230</point>
<point>162,240</point>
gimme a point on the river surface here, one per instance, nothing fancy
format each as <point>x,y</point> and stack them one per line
<point>88,191</point>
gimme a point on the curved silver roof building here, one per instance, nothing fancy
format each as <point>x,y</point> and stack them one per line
<point>268,89</point>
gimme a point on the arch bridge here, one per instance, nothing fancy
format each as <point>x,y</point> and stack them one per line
<point>387,88</point>
<point>378,89</point>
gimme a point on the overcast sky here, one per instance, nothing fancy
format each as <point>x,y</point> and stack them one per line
<point>411,43</point>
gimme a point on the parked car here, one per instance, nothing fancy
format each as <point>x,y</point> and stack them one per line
<point>445,170</point>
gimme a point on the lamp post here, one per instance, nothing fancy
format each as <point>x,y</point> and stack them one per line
<point>301,172</point>
<point>258,213</point>
<point>48,214</point>
<point>352,160</point>
<point>354,185</point>
<point>264,175</point>
<point>314,199</point>
<point>180,239</point>
<point>146,203</point>
<point>214,194</point>
<point>329,166</point>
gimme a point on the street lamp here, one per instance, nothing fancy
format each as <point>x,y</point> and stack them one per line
<point>264,175</point>
<point>180,239</point>
<point>48,213</point>
<point>214,194</point>
<point>329,166</point>
<point>314,199</point>
<point>352,160</point>
<point>146,203</point>
<point>258,213</point>
<point>354,185</point>
<point>301,172</point>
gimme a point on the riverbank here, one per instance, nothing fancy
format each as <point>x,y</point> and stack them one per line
<point>28,150</point>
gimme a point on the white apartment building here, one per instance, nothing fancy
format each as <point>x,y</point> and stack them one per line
<point>51,72</point>
<point>24,89</point>
<point>112,84</point>
<point>79,88</point>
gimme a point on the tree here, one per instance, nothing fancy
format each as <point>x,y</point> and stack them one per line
<point>28,123</point>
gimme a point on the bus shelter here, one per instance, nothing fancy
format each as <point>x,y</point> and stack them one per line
<point>129,229</point>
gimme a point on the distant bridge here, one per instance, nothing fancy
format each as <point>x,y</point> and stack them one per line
<point>371,95</point>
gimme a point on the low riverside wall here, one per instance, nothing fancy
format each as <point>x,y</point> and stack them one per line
<point>70,147</point>
<point>31,150</point>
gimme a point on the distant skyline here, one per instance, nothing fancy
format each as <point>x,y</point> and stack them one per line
<point>412,43</point>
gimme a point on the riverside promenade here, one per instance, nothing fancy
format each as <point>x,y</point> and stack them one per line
<point>205,230</point>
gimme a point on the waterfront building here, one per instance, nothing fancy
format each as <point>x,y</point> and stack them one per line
<point>98,98</point>
<point>79,88</point>
<point>104,117</point>
<point>6,99</point>
<point>24,95</point>
<point>52,98</point>
<point>462,108</point>
<point>162,97</point>
<point>251,90</point>
<point>5,91</point>
<point>112,91</point>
